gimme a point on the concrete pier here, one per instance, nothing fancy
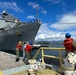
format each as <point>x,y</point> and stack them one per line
<point>7,61</point>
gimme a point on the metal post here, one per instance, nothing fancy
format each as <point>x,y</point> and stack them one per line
<point>60,60</point>
<point>42,56</point>
<point>37,53</point>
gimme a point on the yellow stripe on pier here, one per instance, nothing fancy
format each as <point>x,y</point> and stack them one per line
<point>1,73</point>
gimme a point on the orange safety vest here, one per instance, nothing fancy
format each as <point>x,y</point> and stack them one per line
<point>18,46</point>
<point>28,48</point>
<point>68,44</point>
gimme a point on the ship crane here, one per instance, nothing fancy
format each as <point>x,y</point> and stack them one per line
<point>69,64</point>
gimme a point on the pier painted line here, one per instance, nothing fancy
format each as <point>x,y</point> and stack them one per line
<point>1,73</point>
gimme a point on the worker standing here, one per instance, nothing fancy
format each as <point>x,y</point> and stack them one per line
<point>18,49</point>
<point>69,44</point>
<point>23,48</point>
<point>27,51</point>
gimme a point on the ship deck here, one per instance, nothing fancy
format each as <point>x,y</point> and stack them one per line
<point>39,72</point>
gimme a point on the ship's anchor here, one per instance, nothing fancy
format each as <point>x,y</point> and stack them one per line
<point>18,32</point>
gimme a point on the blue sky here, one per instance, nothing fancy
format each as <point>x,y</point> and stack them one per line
<point>58,16</point>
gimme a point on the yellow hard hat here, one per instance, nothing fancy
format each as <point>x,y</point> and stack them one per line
<point>20,42</point>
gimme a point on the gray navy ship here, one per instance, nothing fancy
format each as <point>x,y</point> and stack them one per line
<point>13,30</point>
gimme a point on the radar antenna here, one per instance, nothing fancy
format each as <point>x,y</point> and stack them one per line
<point>4,11</point>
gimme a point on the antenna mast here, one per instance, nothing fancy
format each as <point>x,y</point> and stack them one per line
<point>37,12</point>
<point>4,11</point>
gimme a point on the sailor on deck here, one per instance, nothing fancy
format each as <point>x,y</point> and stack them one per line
<point>27,51</point>
<point>18,49</point>
<point>69,44</point>
<point>24,46</point>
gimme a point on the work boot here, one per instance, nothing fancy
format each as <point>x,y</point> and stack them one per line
<point>17,59</point>
<point>25,60</point>
<point>75,67</point>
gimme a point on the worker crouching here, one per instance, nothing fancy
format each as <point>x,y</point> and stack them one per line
<point>18,49</point>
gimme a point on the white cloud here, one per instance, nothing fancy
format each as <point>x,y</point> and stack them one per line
<point>53,1</point>
<point>57,31</point>
<point>67,21</point>
<point>34,5</point>
<point>30,17</point>
<point>58,2</point>
<point>43,11</point>
<point>45,33</point>
<point>10,5</point>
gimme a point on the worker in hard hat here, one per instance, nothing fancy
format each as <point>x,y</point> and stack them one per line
<point>18,49</point>
<point>69,44</point>
<point>27,51</point>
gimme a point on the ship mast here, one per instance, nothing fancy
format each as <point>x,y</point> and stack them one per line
<point>37,12</point>
<point>4,10</point>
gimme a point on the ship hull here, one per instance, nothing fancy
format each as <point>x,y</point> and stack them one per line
<point>10,38</point>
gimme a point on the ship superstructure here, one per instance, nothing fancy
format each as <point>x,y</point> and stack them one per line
<point>13,30</point>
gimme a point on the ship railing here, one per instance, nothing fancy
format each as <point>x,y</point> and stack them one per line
<point>50,56</point>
